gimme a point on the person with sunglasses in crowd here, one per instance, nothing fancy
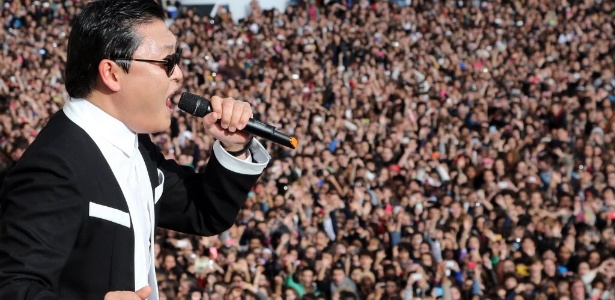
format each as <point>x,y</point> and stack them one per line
<point>79,210</point>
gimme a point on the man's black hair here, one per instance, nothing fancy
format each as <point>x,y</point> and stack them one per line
<point>104,29</point>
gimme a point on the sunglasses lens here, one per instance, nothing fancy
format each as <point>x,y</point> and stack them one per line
<point>171,65</point>
<point>173,61</point>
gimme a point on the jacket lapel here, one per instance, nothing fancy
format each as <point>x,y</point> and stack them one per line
<point>152,171</point>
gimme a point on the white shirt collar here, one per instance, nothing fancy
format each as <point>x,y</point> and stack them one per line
<point>96,121</point>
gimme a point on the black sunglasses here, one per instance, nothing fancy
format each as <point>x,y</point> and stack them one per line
<point>169,62</point>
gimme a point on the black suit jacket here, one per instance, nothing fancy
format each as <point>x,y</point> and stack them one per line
<point>50,245</point>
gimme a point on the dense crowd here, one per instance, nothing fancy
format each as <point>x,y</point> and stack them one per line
<point>447,149</point>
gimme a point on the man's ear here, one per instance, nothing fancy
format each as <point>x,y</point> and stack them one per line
<point>109,72</point>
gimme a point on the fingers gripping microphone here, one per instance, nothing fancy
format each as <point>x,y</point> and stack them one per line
<point>199,106</point>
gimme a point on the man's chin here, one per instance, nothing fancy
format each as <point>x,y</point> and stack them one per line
<point>163,126</point>
<point>157,127</point>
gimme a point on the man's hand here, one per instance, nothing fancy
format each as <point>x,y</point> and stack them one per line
<point>141,294</point>
<point>233,116</point>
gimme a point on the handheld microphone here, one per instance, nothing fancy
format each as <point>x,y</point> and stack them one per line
<point>199,106</point>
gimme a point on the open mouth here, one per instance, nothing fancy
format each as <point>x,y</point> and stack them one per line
<point>169,101</point>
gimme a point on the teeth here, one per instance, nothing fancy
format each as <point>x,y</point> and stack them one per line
<point>170,99</point>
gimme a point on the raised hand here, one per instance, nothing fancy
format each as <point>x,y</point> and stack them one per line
<point>233,116</point>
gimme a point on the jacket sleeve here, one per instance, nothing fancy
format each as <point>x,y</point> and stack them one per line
<point>204,203</point>
<point>41,216</point>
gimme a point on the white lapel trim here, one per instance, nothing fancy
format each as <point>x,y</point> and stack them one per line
<point>110,214</point>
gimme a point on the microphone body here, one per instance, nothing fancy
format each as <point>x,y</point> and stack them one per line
<point>199,106</point>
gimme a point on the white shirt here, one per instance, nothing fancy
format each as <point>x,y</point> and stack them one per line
<point>119,146</point>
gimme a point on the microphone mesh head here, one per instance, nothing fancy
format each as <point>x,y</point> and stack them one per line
<point>194,104</point>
